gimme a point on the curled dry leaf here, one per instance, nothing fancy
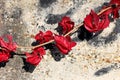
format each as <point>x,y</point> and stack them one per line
<point>115,8</point>
<point>4,56</point>
<point>6,48</point>
<point>64,44</point>
<point>44,37</point>
<point>94,23</point>
<point>35,57</point>
<point>66,24</point>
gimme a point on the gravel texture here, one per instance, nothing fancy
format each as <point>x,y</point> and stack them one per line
<point>96,59</point>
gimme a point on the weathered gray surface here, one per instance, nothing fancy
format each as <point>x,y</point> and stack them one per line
<point>87,61</point>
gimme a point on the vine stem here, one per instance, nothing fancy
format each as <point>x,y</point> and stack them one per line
<point>72,31</point>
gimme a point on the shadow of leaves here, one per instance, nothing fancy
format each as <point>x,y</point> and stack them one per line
<point>103,71</point>
<point>98,40</point>
<point>106,70</point>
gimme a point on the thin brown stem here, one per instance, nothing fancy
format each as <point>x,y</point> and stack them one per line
<point>102,11</point>
<point>44,44</point>
<point>72,31</point>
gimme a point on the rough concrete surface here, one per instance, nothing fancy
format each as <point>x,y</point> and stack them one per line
<point>89,60</point>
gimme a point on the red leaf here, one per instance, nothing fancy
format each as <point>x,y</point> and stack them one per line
<point>10,46</point>
<point>39,51</point>
<point>35,57</point>
<point>64,44</point>
<point>116,2</point>
<point>48,36</point>
<point>107,12</point>
<point>4,56</point>
<point>66,24</point>
<point>115,8</point>
<point>115,13</point>
<point>94,23</point>
<point>104,22</point>
<point>44,37</point>
<point>7,48</point>
<point>39,37</point>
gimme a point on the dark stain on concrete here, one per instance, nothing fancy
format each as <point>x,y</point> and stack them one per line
<point>16,13</point>
<point>52,18</point>
<point>103,71</point>
<point>46,3</point>
<point>55,18</point>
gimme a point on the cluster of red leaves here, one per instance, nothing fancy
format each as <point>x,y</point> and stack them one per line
<point>44,37</point>
<point>94,22</point>
<point>35,57</point>
<point>64,44</point>
<point>66,24</point>
<point>6,48</point>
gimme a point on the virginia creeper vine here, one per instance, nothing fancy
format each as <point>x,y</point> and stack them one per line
<point>93,22</point>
